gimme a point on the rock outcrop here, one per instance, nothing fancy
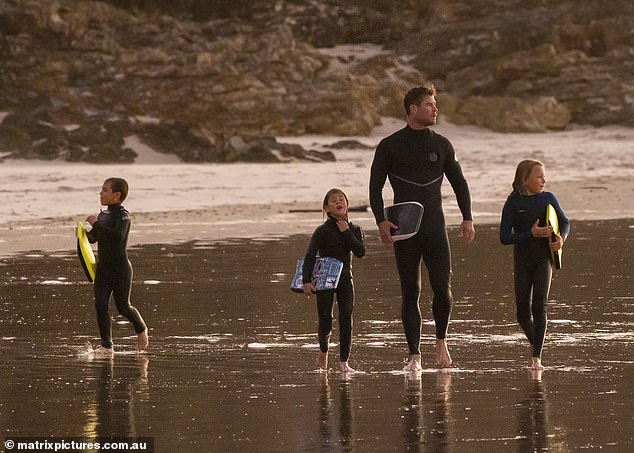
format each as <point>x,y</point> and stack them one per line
<point>216,81</point>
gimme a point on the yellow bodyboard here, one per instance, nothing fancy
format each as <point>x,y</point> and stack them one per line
<point>85,253</point>
<point>553,221</point>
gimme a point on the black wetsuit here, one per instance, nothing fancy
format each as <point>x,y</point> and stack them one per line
<point>531,260</point>
<point>114,271</point>
<point>415,161</point>
<point>328,241</point>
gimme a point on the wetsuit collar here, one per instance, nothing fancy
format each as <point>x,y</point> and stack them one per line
<point>424,131</point>
<point>331,220</point>
<point>114,207</point>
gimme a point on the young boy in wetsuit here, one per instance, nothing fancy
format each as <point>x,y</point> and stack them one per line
<point>110,231</point>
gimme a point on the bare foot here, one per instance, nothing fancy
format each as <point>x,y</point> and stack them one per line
<point>101,351</point>
<point>414,363</point>
<point>443,359</point>
<point>536,364</point>
<point>322,361</point>
<point>142,340</point>
<point>345,368</point>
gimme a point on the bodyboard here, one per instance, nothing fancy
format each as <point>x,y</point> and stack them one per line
<point>407,216</point>
<point>325,277</point>
<point>553,221</point>
<point>85,253</point>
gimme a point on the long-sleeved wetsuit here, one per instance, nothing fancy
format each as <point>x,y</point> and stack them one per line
<point>328,241</point>
<point>415,161</point>
<point>531,260</point>
<point>114,271</point>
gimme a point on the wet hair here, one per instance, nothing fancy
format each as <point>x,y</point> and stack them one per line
<point>416,94</point>
<point>330,193</point>
<point>522,172</point>
<point>118,185</point>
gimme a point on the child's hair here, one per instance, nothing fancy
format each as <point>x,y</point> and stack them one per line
<point>331,192</point>
<point>118,185</point>
<point>522,171</point>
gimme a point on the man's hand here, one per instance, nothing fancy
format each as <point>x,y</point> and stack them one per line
<point>467,231</point>
<point>385,230</point>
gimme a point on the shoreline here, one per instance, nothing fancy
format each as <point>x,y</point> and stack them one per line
<point>588,169</point>
<point>214,225</point>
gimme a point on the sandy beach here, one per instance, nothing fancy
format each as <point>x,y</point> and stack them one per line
<point>231,363</point>
<point>589,169</point>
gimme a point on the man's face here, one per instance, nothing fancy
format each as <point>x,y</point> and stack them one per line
<point>425,113</point>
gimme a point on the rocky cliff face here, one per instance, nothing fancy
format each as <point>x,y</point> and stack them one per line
<point>214,81</point>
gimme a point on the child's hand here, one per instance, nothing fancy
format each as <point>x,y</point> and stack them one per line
<point>91,219</point>
<point>541,232</point>
<point>308,289</point>
<point>343,225</point>
<point>557,244</point>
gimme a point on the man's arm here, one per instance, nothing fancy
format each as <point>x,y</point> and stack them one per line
<point>378,175</point>
<point>463,195</point>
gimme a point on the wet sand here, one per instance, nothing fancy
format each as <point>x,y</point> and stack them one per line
<point>231,365</point>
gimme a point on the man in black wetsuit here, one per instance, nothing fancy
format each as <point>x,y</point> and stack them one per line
<point>415,159</point>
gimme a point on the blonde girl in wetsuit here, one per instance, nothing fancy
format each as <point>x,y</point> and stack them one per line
<point>522,215</point>
<point>338,238</point>
<point>114,272</point>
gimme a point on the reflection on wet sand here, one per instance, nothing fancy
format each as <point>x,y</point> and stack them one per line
<point>121,391</point>
<point>532,417</point>
<point>426,418</point>
<point>331,417</point>
<point>232,356</point>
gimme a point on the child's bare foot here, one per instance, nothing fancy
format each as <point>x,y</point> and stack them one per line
<point>345,368</point>
<point>443,359</point>
<point>101,351</point>
<point>322,361</point>
<point>536,364</point>
<point>142,340</point>
<point>414,363</point>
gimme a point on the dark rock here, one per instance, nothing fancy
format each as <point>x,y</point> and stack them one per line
<point>75,76</point>
<point>349,144</point>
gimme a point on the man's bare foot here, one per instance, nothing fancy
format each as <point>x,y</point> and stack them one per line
<point>414,363</point>
<point>443,359</point>
<point>536,364</point>
<point>101,351</point>
<point>345,368</point>
<point>142,340</point>
<point>322,361</point>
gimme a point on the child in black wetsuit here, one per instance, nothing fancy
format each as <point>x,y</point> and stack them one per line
<point>523,212</point>
<point>337,238</point>
<point>114,272</point>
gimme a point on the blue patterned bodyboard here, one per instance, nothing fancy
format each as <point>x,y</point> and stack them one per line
<point>326,275</point>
